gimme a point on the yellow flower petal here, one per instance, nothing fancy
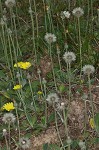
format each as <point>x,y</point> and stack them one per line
<point>91,122</point>
<point>39,92</point>
<point>23,65</point>
<point>8,106</point>
<point>17,87</point>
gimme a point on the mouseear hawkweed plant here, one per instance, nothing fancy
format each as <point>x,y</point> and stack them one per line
<point>44,45</point>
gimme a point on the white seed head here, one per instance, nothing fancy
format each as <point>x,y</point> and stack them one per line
<point>69,57</point>
<point>24,143</point>
<point>52,98</point>
<point>10,3</point>
<point>82,145</point>
<point>8,118</point>
<point>88,69</point>
<point>78,12</point>
<point>69,141</point>
<point>44,81</point>
<point>65,14</point>
<point>4,132</point>
<point>50,38</point>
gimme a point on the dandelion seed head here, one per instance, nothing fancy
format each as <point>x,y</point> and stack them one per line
<point>88,69</point>
<point>10,3</point>
<point>69,57</point>
<point>24,143</point>
<point>52,98</point>
<point>8,118</point>
<point>78,12</point>
<point>50,38</point>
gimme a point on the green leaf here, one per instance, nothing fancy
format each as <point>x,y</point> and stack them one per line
<point>31,119</point>
<point>45,146</point>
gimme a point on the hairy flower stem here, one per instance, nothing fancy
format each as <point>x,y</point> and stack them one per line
<point>69,69</point>
<point>4,43</point>
<point>9,124</point>
<point>7,146</point>
<point>46,118</point>
<point>32,94</point>
<point>45,17</point>
<point>24,107</point>
<point>18,123</point>
<point>52,66</point>
<point>33,34</point>
<point>65,123</point>
<point>85,120</point>
<point>17,42</point>
<point>58,129</point>
<point>91,99</point>
<point>80,46</point>
<point>91,15</point>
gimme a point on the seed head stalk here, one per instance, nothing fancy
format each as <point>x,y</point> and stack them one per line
<point>91,99</point>
<point>18,123</point>
<point>52,66</point>
<point>80,46</point>
<point>69,69</point>
<point>9,125</point>
<point>46,118</point>
<point>56,123</point>
<point>32,94</point>
<point>33,34</point>
<point>7,146</point>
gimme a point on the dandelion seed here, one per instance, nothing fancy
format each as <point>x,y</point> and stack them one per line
<point>78,12</point>
<point>24,143</point>
<point>10,3</point>
<point>8,118</point>
<point>17,87</point>
<point>52,98</point>
<point>69,57</point>
<point>50,38</point>
<point>88,69</point>
<point>8,106</point>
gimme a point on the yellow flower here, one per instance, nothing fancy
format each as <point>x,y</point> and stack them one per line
<point>91,122</point>
<point>17,87</point>
<point>39,92</point>
<point>8,106</point>
<point>23,65</point>
<point>19,64</point>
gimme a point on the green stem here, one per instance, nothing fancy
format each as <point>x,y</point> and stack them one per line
<point>80,46</point>
<point>91,99</point>
<point>7,146</point>
<point>58,129</point>
<point>52,67</point>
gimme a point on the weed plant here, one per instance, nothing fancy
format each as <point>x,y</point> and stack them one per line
<point>37,93</point>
